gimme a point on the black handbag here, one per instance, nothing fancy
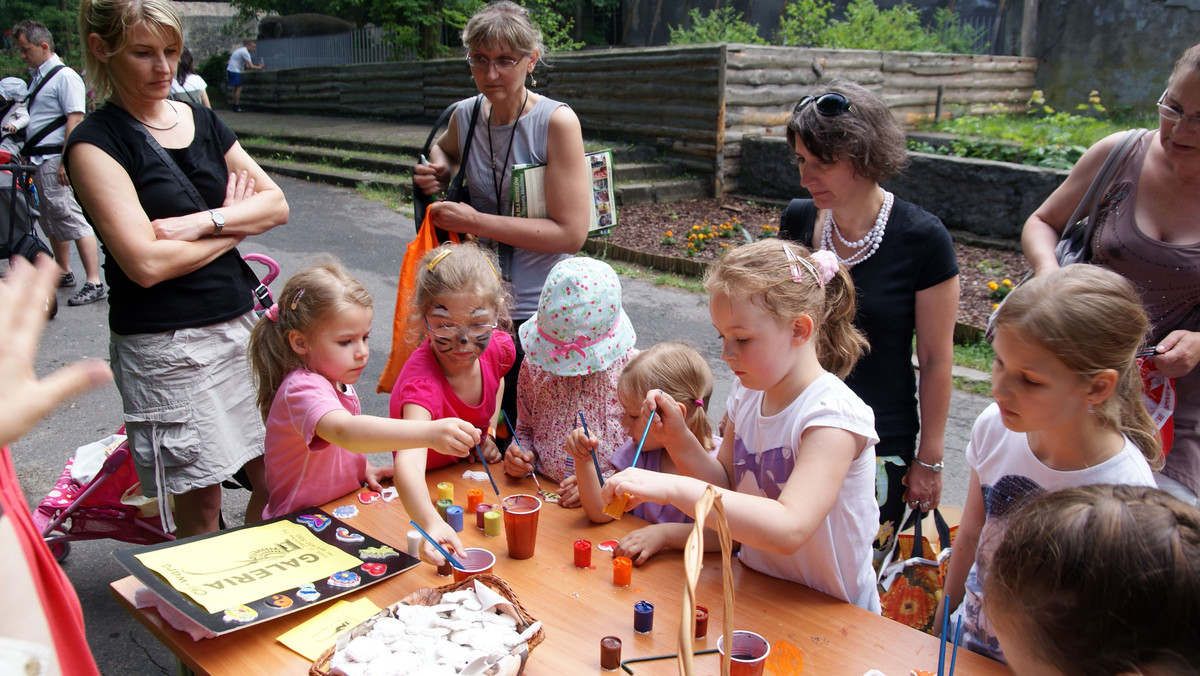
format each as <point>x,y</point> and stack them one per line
<point>457,191</point>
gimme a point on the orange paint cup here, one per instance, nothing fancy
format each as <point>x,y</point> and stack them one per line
<point>622,571</point>
<point>474,499</point>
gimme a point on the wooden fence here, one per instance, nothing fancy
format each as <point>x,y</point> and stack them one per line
<point>694,104</point>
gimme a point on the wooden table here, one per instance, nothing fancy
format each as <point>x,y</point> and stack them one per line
<point>580,606</point>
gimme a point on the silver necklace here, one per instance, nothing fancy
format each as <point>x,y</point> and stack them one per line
<point>169,126</point>
<point>863,248</point>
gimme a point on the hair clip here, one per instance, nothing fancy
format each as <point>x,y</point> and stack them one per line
<point>441,255</point>
<point>794,262</point>
<point>493,267</point>
<point>272,312</point>
<point>296,299</point>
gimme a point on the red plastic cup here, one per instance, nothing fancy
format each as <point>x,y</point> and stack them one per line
<point>474,562</point>
<point>520,524</point>
<point>748,655</point>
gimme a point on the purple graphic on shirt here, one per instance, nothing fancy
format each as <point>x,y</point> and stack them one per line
<point>768,469</point>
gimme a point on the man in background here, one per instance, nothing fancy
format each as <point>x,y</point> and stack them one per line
<point>56,102</point>
<point>240,60</point>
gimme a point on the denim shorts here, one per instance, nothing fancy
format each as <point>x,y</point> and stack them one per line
<point>189,404</point>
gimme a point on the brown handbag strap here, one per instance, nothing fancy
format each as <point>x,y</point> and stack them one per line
<point>1089,205</point>
<point>693,561</point>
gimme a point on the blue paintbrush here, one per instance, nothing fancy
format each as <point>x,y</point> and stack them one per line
<point>513,430</point>
<point>487,469</point>
<point>638,453</point>
<point>449,557</point>
<point>957,638</point>
<point>945,632</point>
<point>595,459</point>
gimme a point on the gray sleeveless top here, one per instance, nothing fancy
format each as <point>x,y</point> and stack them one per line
<point>529,268</point>
<point>1167,277</point>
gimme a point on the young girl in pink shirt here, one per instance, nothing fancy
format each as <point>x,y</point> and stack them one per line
<point>307,352</point>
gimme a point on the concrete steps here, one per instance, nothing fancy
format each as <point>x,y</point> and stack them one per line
<point>347,161</point>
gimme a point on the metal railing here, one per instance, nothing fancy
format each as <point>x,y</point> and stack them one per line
<point>364,45</point>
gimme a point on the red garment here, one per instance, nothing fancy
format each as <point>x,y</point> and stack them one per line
<point>59,603</point>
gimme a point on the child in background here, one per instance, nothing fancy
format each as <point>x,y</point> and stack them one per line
<point>306,355</point>
<point>461,306</point>
<point>796,466</point>
<point>1068,412</point>
<point>682,374</point>
<point>16,113</point>
<point>576,347</point>
<point>1136,610</point>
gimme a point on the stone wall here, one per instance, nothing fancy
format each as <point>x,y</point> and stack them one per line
<point>1124,49</point>
<point>205,29</point>
<point>985,198</point>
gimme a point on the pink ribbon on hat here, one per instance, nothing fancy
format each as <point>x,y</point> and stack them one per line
<point>564,348</point>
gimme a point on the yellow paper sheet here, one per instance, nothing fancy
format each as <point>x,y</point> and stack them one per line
<point>320,633</point>
<point>247,565</point>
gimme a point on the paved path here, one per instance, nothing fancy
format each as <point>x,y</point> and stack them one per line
<point>370,239</point>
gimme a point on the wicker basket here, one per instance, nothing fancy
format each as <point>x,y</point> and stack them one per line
<point>432,596</point>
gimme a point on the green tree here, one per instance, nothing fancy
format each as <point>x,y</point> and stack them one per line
<point>57,15</point>
<point>723,24</point>
<point>803,23</point>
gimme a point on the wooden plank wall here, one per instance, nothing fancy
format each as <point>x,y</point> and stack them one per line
<point>694,104</point>
<point>763,83</point>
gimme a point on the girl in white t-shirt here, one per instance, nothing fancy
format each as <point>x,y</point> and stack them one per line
<point>187,86</point>
<point>1068,412</point>
<point>796,465</point>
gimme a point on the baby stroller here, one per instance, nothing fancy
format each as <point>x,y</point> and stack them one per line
<point>18,213</point>
<point>106,506</point>
<point>110,503</point>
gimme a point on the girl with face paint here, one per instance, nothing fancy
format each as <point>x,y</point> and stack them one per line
<point>461,307</point>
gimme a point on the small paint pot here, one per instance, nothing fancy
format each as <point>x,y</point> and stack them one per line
<point>474,499</point>
<point>414,543</point>
<point>445,491</point>
<point>481,509</point>
<point>454,517</point>
<point>583,554</point>
<point>643,617</point>
<point>442,505</point>
<point>492,523</point>
<point>610,653</point>
<point>701,621</point>
<point>622,571</point>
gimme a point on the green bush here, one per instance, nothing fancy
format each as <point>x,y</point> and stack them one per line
<point>724,24</point>
<point>213,72</point>
<point>1042,137</point>
<point>807,23</point>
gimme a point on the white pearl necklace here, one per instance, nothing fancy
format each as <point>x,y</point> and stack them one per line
<point>863,248</point>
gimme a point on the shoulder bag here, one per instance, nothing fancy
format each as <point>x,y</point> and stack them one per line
<point>457,191</point>
<point>1075,244</point>
<point>260,290</point>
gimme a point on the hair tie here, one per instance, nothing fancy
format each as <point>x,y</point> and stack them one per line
<point>296,299</point>
<point>827,265</point>
<point>438,259</point>
<point>699,402</point>
<point>272,313</point>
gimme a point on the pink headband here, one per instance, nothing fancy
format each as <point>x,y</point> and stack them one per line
<point>564,348</point>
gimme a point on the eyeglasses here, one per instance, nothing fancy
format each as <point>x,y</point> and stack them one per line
<point>1174,115</point>
<point>480,62</point>
<point>829,105</point>
<point>452,331</point>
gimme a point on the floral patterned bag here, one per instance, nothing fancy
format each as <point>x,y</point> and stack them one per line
<point>910,580</point>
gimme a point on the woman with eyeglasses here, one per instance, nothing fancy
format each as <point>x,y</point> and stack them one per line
<point>514,126</point>
<point>906,279</point>
<point>1149,232</point>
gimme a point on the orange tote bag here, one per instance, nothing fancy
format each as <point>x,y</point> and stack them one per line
<point>404,342</point>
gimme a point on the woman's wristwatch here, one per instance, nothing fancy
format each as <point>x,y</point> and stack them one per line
<point>218,221</point>
<point>935,467</point>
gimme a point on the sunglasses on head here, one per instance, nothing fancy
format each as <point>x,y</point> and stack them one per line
<point>829,105</point>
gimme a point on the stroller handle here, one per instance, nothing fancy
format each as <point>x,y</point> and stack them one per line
<point>272,266</point>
